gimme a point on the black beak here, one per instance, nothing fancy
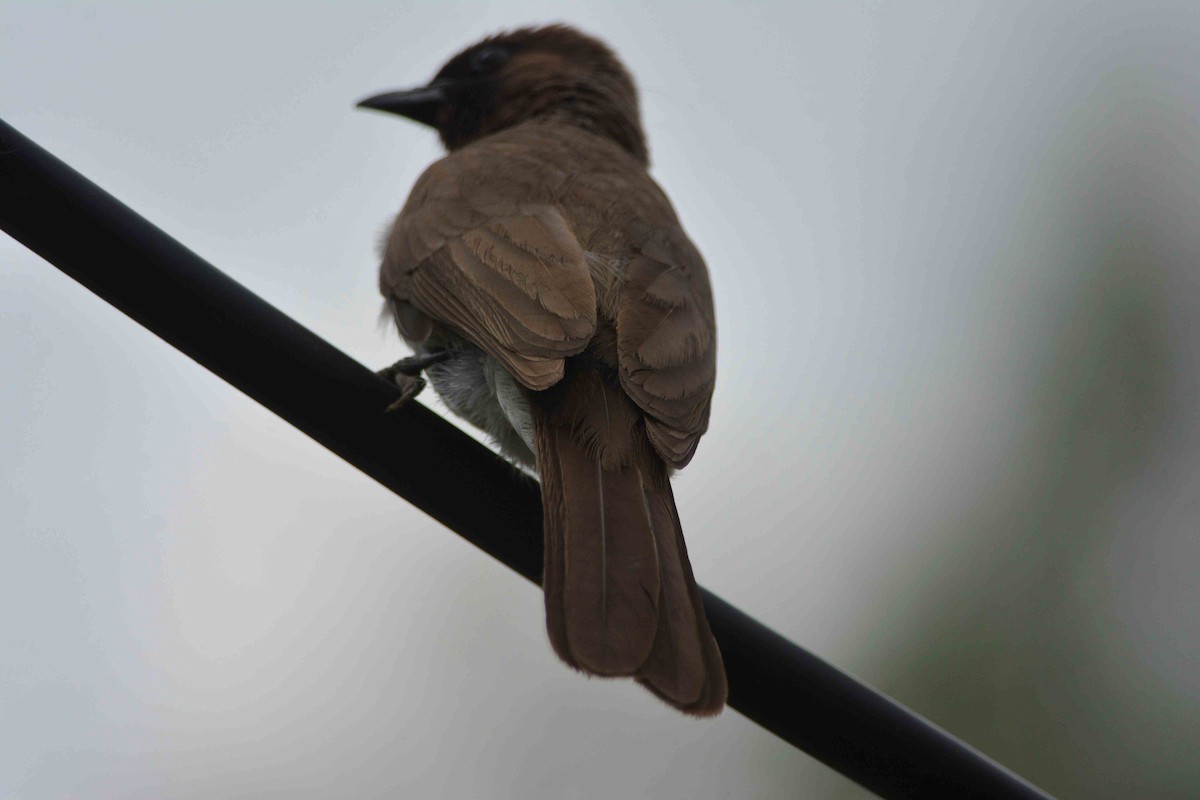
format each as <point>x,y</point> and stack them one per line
<point>421,104</point>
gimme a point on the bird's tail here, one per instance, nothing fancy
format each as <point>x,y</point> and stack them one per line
<point>620,596</point>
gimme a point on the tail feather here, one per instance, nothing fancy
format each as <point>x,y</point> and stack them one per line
<point>685,667</point>
<point>620,596</point>
<point>602,588</point>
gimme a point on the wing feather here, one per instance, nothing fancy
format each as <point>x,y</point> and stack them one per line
<point>514,282</point>
<point>666,344</point>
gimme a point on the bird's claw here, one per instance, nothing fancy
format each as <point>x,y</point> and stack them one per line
<point>410,387</point>
<point>414,365</point>
<point>406,374</point>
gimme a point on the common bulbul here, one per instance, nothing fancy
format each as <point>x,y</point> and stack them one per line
<point>550,295</point>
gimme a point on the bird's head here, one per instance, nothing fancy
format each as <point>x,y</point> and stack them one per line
<point>551,72</point>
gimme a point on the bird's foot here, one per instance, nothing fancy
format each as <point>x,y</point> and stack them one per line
<point>406,374</point>
<point>410,387</point>
<point>414,365</point>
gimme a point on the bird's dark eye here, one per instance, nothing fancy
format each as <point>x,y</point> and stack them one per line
<point>487,59</point>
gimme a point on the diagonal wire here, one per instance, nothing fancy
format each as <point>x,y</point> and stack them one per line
<point>124,259</point>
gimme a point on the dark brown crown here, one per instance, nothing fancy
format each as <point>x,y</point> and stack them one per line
<point>552,72</point>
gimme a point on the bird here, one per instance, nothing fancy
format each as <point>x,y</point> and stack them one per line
<point>550,295</point>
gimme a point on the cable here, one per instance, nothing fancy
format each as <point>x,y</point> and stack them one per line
<point>107,247</point>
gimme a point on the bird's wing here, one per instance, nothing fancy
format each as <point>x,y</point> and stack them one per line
<point>510,277</point>
<point>667,342</point>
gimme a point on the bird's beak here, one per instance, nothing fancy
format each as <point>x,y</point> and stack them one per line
<point>422,104</point>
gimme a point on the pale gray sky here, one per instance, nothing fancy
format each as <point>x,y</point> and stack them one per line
<point>893,201</point>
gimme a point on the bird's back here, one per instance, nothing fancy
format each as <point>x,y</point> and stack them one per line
<point>654,321</point>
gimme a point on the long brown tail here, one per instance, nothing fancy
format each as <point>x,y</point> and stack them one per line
<point>620,596</point>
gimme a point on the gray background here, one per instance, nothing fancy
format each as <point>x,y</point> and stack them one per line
<point>955,445</point>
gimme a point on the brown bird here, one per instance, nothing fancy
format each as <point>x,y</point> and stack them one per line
<point>551,296</point>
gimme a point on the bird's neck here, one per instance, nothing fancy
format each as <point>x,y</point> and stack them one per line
<point>622,129</point>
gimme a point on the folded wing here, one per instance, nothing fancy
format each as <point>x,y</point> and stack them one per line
<point>667,344</point>
<point>511,279</point>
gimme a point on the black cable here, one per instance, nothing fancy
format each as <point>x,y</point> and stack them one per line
<point>104,245</point>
